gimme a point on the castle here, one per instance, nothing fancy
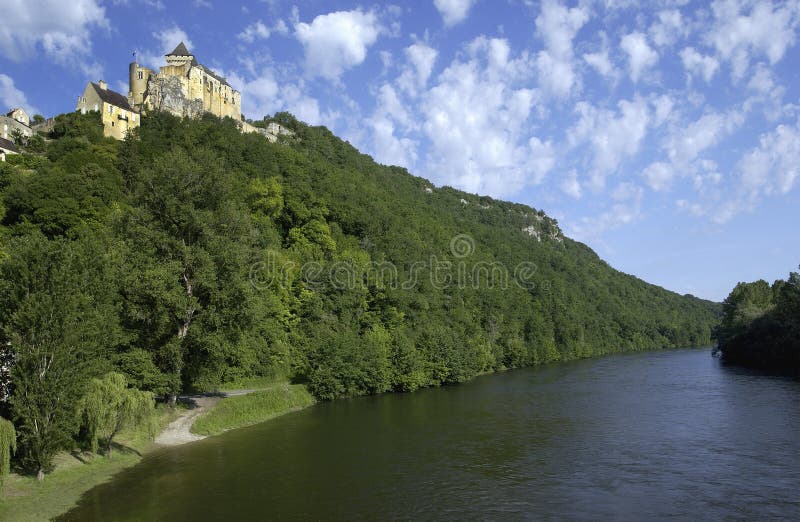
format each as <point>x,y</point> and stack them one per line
<point>182,87</point>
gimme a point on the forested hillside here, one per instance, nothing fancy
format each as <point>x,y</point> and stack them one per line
<point>192,255</point>
<point>761,325</point>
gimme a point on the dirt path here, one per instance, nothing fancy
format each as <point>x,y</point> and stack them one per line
<point>179,431</point>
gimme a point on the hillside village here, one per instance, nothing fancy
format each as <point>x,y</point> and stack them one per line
<point>182,87</point>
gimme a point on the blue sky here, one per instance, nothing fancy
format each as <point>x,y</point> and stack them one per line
<point>665,134</point>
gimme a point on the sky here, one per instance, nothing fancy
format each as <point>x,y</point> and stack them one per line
<point>665,134</point>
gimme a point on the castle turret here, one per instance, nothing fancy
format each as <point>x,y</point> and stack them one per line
<point>137,80</point>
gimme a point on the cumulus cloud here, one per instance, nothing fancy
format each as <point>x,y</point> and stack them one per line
<point>640,55</point>
<point>659,175</point>
<point>668,28</point>
<point>336,42</point>
<point>612,135</point>
<point>166,40</point>
<point>601,63</point>
<point>698,64</point>
<point>61,29</point>
<point>774,165</point>
<point>264,95</point>
<point>420,61</point>
<point>253,32</point>
<point>453,11</point>
<point>686,143</point>
<point>389,147</point>
<point>557,25</point>
<point>487,148</point>
<point>11,97</point>
<point>742,29</point>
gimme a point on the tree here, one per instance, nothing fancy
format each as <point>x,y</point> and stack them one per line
<point>109,406</point>
<point>37,119</point>
<point>60,321</point>
<point>8,445</point>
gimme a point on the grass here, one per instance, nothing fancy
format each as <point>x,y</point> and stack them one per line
<point>253,383</point>
<point>246,410</point>
<point>26,499</point>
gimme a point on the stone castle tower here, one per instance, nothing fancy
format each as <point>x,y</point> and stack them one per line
<point>183,87</point>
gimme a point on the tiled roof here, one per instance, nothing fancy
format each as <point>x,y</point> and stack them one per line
<point>112,97</point>
<point>181,50</point>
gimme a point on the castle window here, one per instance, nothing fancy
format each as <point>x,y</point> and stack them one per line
<point>141,75</point>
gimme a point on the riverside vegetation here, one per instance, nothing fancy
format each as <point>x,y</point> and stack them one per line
<point>190,256</point>
<point>761,325</point>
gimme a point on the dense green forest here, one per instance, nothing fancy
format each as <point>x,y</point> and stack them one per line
<point>760,325</point>
<point>191,255</point>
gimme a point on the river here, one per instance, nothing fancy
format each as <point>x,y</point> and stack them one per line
<point>656,435</point>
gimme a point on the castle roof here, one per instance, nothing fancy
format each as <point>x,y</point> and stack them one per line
<point>112,97</point>
<point>181,50</point>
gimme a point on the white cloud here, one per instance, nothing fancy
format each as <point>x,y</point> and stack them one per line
<point>167,39</point>
<point>558,25</point>
<point>485,149</point>
<point>742,29</point>
<point>421,59</point>
<point>11,97</point>
<point>571,186</point>
<point>669,28</point>
<point>453,11</point>
<point>659,175</point>
<point>542,158</point>
<point>264,95</point>
<point>698,64</point>
<point>687,142</point>
<point>600,62</point>
<point>663,106</point>
<point>624,209</point>
<point>640,55</point>
<point>336,42</point>
<point>389,148</point>
<point>254,31</point>
<point>61,29</point>
<point>613,136</point>
<point>774,166</point>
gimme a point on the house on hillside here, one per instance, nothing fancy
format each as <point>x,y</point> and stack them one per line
<point>117,115</point>
<point>15,120</point>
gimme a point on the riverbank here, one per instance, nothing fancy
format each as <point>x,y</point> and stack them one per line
<point>26,499</point>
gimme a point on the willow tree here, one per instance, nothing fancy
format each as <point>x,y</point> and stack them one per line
<point>8,445</point>
<point>109,406</point>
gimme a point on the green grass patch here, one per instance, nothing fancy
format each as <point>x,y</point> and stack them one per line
<point>26,499</point>
<point>246,410</point>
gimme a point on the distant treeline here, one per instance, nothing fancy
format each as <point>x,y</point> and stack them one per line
<point>761,325</point>
<point>191,255</point>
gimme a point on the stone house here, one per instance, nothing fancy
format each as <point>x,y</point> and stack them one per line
<point>117,114</point>
<point>15,120</point>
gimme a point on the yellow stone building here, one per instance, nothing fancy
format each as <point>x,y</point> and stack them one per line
<point>183,87</point>
<point>117,114</point>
